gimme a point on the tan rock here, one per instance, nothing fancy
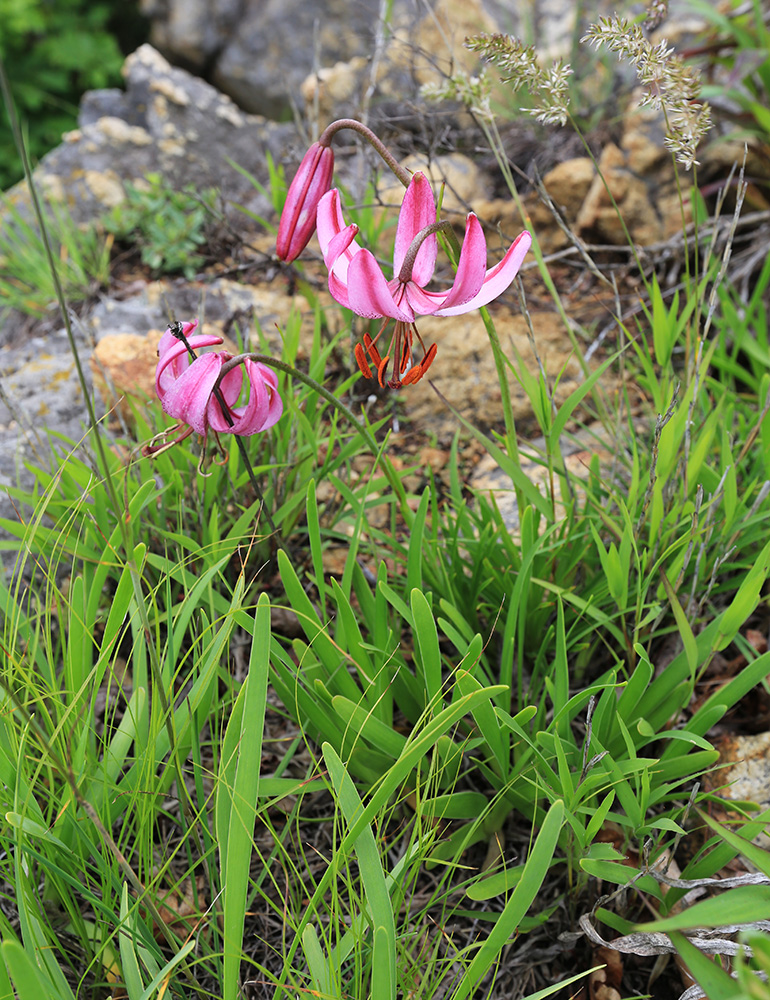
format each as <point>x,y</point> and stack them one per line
<point>745,772</point>
<point>464,370</point>
<point>598,217</point>
<point>333,85</point>
<point>105,186</point>
<point>435,46</point>
<point>568,185</point>
<point>123,364</point>
<point>501,213</point>
<point>466,183</point>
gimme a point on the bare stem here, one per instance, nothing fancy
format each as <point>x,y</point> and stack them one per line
<point>331,130</point>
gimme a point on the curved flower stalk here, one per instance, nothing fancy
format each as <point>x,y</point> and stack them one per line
<point>190,389</point>
<point>357,282</point>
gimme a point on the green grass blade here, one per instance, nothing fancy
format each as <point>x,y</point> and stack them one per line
<point>373,878</point>
<point>28,981</point>
<point>426,642</point>
<point>316,549</point>
<point>759,857</point>
<point>132,976</point>
<point>715,982</point>
<point>535,870</point>
<point>741,905</point>
<point>237,793</point>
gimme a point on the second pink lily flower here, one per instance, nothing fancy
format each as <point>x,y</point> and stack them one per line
<point>357,281</point>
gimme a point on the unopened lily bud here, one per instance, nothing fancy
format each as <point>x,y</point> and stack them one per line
<point>312,180</point>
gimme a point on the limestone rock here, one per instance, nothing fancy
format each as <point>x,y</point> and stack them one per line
<point>335,90</point>
<point>438,39</point>
<point>123,364</point>
<point>279,42</point>
<point>192,31</point>
<point>568,185</point>
<point>745,772</point>
<point>166,121</point>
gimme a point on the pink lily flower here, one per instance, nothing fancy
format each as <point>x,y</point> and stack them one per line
<point>187,389</point>
<point>357,282</point>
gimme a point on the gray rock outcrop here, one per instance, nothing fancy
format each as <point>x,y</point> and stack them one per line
<point>166,121</point>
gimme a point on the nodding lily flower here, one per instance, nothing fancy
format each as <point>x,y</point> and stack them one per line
<point>312,180</point>
<point>357,282</point>
<point>187,388</point>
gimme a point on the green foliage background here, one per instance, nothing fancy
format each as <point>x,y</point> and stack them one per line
<point>55,50</point>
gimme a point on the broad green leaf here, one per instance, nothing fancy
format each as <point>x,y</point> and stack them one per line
<point>713,980</point>
<point>741,905</point>
<point>535,870</point>
<point>27,978</point>
<point>426,644</point>
<point>237,793</point>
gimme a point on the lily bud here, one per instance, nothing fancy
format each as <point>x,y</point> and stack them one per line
<point>312,180</point>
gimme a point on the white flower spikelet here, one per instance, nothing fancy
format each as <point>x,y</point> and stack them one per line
<point>472,91</point>
<point>520,67</point>
<point>670,86</point>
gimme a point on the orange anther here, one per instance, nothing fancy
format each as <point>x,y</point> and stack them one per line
<point>381,370</point>
<point>366,371</point>
<point>427,361</point>
<point>372,351</point>
<point>414,374</point>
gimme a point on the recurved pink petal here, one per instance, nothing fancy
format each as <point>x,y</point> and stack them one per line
<point>262,409</point>
<point>188,398</point>
<point>330,223</point>
<point>471,268</point>
<point>418,210</point>
<point>496,280</point>
<point>368,292</point>
<point>168,340</point>
<point>266,407</point>
<point>174,357</point>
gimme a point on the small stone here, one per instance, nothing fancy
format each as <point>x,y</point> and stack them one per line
<point>744,774</point>
<point>568,185</point>
<point>598,217</point>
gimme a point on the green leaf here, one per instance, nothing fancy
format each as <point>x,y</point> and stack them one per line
<point>756,855</point>
<point>426,642</point>
<point>741,905</point>
<point>27,978</point>
<point>685,631</point>
<point>132,975</point>
<point>535,870</point>
<point>712,979</point>
<point>237,793</point>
